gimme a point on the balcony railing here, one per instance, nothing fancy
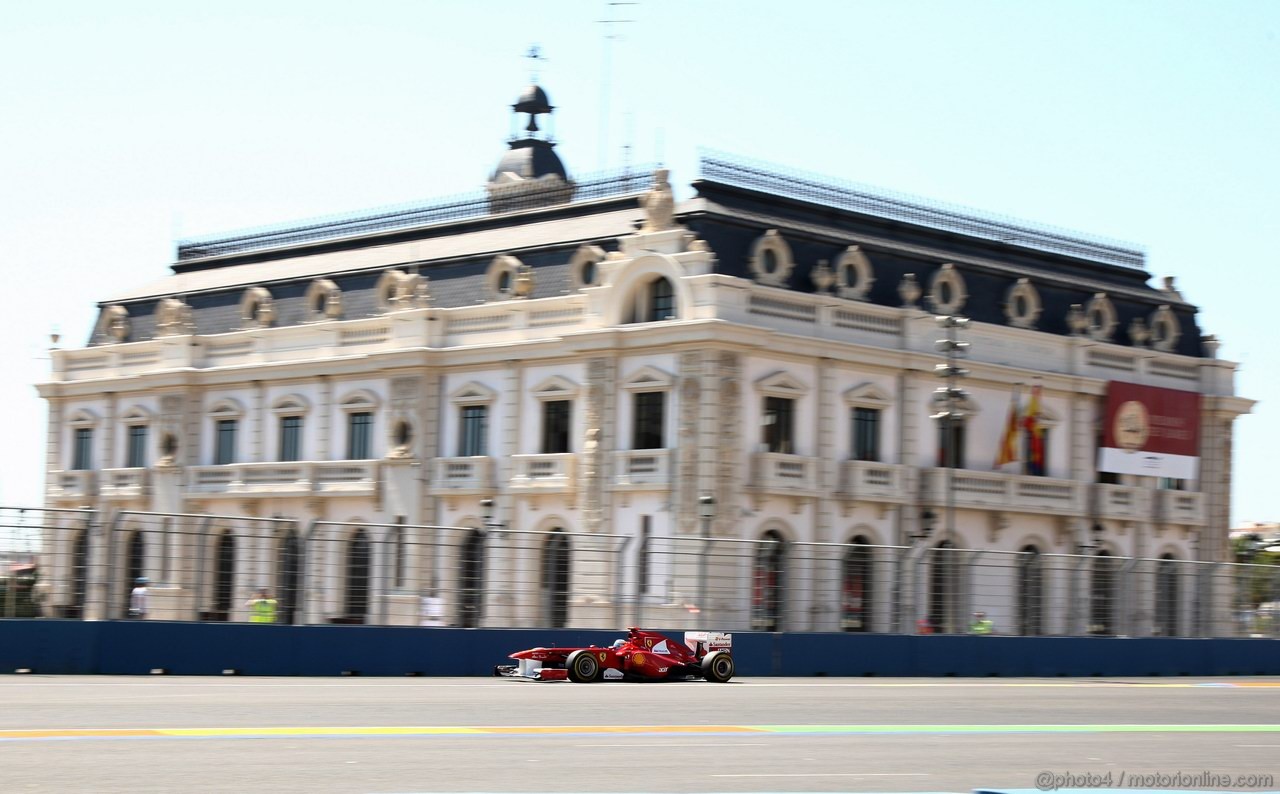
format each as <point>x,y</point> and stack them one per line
<point>124,483</point>
<point>638,468</point>
<point>288,478</point>
<point>472,474</point>
<point>999,491</point>
<point>552,472</point>
<point>781,473</point>
<point>1123,502</point>
<point>873,481</point>
<point>1181,507</point>
<point>73,484</point>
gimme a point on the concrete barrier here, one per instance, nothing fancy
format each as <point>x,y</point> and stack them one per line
<point>137,647</point>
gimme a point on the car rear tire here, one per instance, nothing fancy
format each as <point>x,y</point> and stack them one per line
<point>583,667</point>
<point>717,666</point>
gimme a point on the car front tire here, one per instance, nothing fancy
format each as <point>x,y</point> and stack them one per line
<point>583,667</point>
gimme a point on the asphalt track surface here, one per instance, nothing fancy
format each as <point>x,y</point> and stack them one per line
<point>394,736</point>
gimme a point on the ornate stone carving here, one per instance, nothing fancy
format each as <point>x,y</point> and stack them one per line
<point>909,291</point>
<point>1139,334</point>
<point>173,317</point>
<point>823,277</point>
<point>659,204</point>
<point>523,285</point>
<point>1077,321</point>
<point>115,323</point>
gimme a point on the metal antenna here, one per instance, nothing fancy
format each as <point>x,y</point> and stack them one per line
<point>536,59</point>
<point>610,35</point>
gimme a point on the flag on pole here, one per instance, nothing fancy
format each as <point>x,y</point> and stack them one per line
<point>1035,434</point>
<point>1008,451</point>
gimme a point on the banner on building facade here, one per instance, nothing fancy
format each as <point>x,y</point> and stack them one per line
<point>1150,431</point>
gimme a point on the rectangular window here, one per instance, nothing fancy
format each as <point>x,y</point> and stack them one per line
<point>555,427</point>
<point>779,425</point>
<point>290,438</point>
<point>951,444</point>
<point>1108,478</point>
<point>359,435</point>
<point>866,434</point>
<point>225,442</point>
<point>1171,484</point>
<point>647,425</point>
<point>82,451</point>
<point>137,453</point>
<point>475,430</point>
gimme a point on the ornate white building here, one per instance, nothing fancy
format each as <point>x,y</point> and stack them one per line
<point>756,362</point>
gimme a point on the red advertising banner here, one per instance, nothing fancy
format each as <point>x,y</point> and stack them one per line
<point>1150,431</point>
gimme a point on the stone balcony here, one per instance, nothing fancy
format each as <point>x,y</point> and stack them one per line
<point>1181,507</point>
<point>640,469</point>
<point>123,483</point>
<point>872,481</point>
<point>302,478</point>
<point>550,473</point>
<point>464,475</point>
<point>779,473</point>
<point>73,484</point>
<point>1123,502</point>
<point>1006,492</point>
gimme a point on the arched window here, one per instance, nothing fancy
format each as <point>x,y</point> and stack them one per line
<point>662,301</point>
<point>289,577</point>
<point>135,564</point>
<point>856,591</point>
<point>1030,592</point>
<point>1168,597</point>
<point>944,572</point>
<point>355,600</point>
<point>768,582</point>
<point>79,575</point>
<point>224,577</point>
<point>1102,594</point>
<point>471,585</point>
<point>555,579</point>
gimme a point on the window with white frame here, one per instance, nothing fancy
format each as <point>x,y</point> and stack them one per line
<point>82,449</point>
<point>556,395</point>
<point>360,408</point>
<point>226,415</point>
<point>290,412</point>
<point>781,394</point>
<point>472,402</point>
<point>136,456</point>
<point>867,404</point>
<point>649,387</point>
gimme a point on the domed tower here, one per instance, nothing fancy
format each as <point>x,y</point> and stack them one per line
<point>530,174</point>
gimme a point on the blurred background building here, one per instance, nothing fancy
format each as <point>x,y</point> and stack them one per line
<point>577,400</point>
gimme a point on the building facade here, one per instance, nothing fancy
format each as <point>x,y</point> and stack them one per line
<point>591,363</point>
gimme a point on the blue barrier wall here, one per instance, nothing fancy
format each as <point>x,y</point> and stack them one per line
<point>137,647</point>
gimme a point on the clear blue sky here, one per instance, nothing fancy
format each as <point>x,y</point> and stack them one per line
<point>129,124</point>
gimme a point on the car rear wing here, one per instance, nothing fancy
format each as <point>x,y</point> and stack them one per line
<point>704,642</point>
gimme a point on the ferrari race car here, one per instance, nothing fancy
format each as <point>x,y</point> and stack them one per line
<point>642,655</point>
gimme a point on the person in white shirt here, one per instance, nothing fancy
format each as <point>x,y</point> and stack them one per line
<point>138,598</point>
<point>432,609</point>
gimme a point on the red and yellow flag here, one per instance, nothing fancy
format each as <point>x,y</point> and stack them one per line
<point>1008,451</point>
<point>1035,434</point>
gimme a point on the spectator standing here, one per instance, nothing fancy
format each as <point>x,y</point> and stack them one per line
<point>981,624</point>
<point>138,598</point>
<point>262,608</point>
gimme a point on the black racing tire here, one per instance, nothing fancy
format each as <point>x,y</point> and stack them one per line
<point>717,666</point>
<point>583,666</point>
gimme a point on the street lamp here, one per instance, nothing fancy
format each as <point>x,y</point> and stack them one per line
<point>706,511</point>
<point>950,400</point>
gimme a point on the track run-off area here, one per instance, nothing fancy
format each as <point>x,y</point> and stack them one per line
<point>400,735</point>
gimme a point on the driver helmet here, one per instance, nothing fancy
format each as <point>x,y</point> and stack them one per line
<point>618,643</point>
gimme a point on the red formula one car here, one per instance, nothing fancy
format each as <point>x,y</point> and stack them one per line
<point>643,655</point>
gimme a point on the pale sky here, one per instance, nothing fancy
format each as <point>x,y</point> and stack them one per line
<point>127,125</point>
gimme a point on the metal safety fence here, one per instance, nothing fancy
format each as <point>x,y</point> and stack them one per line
<point>81,564</point>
